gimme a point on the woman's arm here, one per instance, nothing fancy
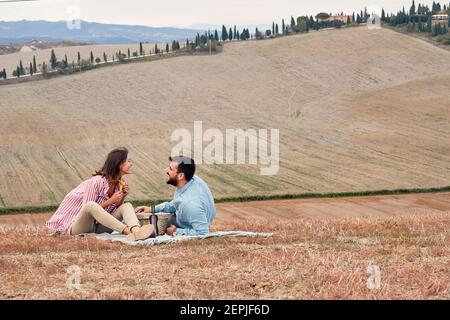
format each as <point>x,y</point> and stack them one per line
<point>115,199</point>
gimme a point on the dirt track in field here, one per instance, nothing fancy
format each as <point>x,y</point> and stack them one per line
<point>357,207</point>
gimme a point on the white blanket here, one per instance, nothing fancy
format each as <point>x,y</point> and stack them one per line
<point>169,239</point>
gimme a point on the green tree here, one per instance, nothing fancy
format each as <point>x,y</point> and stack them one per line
<point>273,28</point>
<point>4,74</point>
<point>128,53</point>
<point>276,29</point>
<point>235,34</point>
<point>18,72</point>
<point>230,34</point>
<point>21,69</point>
<point>31,69</point>
<point>292,22</point>
<point>66,64</point>
<point>156,49</point>
<point>302,24</point>
<point>322,15</point>
<point>383,15</point>
<point>224,33</point>
<point>141,49</point>
<point>412,10</point>
<point>79,58</point>
<point>34,64</point>
<point>105,58</point>
<point>167,47</point>
<point>283,27</point>
<point>216,35</point>
<point>92,58</point>
<point>53,59</point>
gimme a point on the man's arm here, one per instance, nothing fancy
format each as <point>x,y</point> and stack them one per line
<point>196,215</point>
<point>168,207</point>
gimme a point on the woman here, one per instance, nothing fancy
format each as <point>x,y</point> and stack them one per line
<point>96,205</point>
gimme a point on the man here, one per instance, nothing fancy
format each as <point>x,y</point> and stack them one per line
<point>192,204</point>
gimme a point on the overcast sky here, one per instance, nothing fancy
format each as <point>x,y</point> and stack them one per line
<point>184,13</point>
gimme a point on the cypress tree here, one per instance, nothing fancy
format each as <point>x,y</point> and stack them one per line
<point>234,33</point>
<point>216,35</point>
<point>273,28</point>
<point>128,53</point>
<point>276,29</point>
<point>141,49</point>
<point>224,33</point>
<point>292,22</point>
<point>283,27</point>
<point>53,59</point>
<point>18,72</point>
<point>412,10</point>
<point>156,48</point>
<point>31,69</point>
<point>230,35</point>
<point>167,47</point>
<point>92,57</point>
<point>34,64</point>
<point>4,73</point>
<point>105,58</point>
<point>21,69</point>
<point>79,58</point>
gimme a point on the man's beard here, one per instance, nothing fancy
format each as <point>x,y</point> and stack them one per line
<point>172,181</point>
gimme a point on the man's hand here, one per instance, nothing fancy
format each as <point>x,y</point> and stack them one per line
<point>143,209</point>
<point>171,230</point>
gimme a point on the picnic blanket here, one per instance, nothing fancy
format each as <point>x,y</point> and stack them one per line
<point>165,239</point>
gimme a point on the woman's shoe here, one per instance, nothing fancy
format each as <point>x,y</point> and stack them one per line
<point>143,233</point>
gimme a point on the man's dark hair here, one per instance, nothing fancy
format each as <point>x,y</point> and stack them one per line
<point>185,165</point>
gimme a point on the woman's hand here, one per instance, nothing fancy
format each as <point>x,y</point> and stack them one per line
<point>126,190</point>
<point>116,198</point>
<point>143,209</point>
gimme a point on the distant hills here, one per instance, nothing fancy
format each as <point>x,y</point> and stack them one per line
<point>90,32</point>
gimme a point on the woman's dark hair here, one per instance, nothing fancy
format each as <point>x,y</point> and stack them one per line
<point>111,167</point>
<point>185,165</point>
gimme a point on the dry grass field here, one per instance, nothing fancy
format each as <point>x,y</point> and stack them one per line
<point>321,249</point>
<point>357,109</point>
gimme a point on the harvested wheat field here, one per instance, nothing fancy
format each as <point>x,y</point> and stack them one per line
<point>312,255</point>
<point>357,109</point>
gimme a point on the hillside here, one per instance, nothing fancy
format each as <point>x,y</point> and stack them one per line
<point>12,60</point>
<point>371,112</point>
